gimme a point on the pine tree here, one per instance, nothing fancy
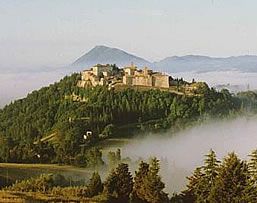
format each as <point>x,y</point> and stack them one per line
<point>95,186</point>
<point>210,172</point>
<point>94,158</point>
<point>124,184</point>
<point>191,194</point>
<point>251,189</point>
<point>153,185</point>
<point>231,183</point>
<point>253,167</point>
<point>138,188</point>
<point>110,183</point>
<point>119,183</point>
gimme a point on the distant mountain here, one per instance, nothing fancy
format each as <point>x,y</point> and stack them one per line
<point>195,63</point>
<point>104,55</point>
<point>205,64</point>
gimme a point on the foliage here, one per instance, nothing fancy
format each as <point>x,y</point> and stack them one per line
<point>95,186</point>
<point>148,186</point>
<point>67,112</point>
<point>119,183</point>
<point>231,181</point>
<point>94,158</point>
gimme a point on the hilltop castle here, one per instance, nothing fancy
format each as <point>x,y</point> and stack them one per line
<point>111,75</point>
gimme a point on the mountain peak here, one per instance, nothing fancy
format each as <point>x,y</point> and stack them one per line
<point>104,54</point>
<point>100,47</point>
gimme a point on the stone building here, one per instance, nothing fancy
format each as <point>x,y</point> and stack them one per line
<point>96,75</point>
<point>99,70</point>
<point>130,76</point>
<point>145,77</point>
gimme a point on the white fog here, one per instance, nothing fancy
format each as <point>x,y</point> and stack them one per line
<point>18,85</point>
<point>185,151</point>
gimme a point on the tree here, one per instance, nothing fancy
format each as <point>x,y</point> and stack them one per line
<point>95,186</point>
<point>153,185</point>
<point>253,167</point>
<point>138,188</point>
<point>231,183</point>
<point>110,183</point>
<point>94,158</point>
<point>119,183</point>
<point>252,182</point>
<point>193,188</point>
<point>210,172</point>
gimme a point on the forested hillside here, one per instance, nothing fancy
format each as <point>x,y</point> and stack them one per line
<point>64,113</point>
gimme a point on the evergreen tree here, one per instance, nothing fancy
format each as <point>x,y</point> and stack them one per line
<point>153,185</point>
<point>210,172</point>
<point>94,158</point>
<point>252,182</point>
<point>253,167</point>
<point>231,182</point>
<point>138,188</point>
<point>124,182</point>
<point>110,184</point>
<point>119,183</point>
<point>95,185</point>
<point>194,186</point>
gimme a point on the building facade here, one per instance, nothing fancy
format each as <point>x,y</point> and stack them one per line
<point>129,76</point>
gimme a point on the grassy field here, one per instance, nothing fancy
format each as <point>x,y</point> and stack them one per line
<point>33,197</point>
<point>12,172</point>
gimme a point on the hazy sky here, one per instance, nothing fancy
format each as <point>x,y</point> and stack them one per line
<point>56,32</point>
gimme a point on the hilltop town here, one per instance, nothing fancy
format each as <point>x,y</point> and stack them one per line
<point>132,76</point>
<point>111,76</point>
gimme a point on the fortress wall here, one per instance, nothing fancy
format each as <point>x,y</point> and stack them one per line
<point>127,80</point>
<point>99,70</point>
<point>143,81</point>
<point>161,81</point>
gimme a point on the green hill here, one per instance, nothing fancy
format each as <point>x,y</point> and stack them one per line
<point>48,126</point>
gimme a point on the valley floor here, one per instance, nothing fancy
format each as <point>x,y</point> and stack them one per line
<point>29,197</point>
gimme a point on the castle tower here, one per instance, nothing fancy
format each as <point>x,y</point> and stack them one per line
<point>145,71</point>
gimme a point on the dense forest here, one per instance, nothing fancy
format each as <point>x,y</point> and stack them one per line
<point>48,126</point>
<point>231,180</point>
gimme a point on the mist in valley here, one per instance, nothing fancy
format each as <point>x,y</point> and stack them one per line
<point>182,152</point>
<point>234,81</point>
<point>17,85</point>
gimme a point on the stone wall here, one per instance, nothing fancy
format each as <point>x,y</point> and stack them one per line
<point>128,80</point>
<point>161,81</point>
<point>143,81</point>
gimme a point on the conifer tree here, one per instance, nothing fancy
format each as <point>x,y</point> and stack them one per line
<point>232,181</point>
<point>153,185</point>
<point>95,185</point>
<point>210,172</point>
<point>252,164</point>
<point>124,184</point>
<point>119,183</point>
<point>194,186</point>
<point>138,188</point>
<point>251,189</point>
<point>110,183</point>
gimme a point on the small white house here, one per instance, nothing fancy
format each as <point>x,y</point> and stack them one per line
<point>88,135</point>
